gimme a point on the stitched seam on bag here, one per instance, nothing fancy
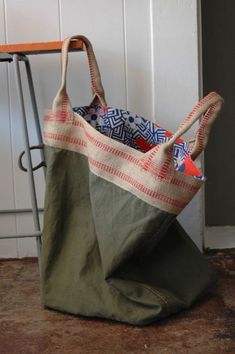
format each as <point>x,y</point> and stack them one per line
<point>123,155</point>
<point>151,193</point>
<point>68,139</point>
<point>139,163</point>
<point>136,184</point>
<point>158,294</point>
<point>125,177</point>
<point>159,172</point>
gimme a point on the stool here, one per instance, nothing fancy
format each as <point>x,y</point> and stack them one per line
<point>15,53</point>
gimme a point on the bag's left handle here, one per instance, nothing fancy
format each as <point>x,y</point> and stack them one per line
<point>20,159</point>
<point>61,101</point>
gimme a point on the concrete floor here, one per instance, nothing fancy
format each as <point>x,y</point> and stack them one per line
<point>27,328</point>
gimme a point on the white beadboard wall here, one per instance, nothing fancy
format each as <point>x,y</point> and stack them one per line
<point>148,56</point>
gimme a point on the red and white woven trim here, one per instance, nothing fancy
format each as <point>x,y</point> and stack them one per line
<point>139,173</point>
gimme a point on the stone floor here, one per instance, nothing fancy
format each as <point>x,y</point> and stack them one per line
<point>27,328</point>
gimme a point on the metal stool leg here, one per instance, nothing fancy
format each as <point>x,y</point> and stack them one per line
<point>35,108</point>
<point>16,59</point>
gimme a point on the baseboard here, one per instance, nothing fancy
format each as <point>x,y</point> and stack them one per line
<point>218,237</point>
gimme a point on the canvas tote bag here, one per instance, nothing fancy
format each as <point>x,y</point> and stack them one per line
<point>115,182</point>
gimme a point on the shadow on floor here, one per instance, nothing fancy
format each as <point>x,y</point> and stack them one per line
<point>27,328</point>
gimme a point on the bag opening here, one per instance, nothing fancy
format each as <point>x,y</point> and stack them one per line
<point>138,133</point>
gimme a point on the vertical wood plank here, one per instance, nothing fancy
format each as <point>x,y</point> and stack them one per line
<point>138,49</point>
<point>33,24</point>
<point>176,79</point>
<point>8,248</point>
<point>175,60</point>
<point>102,23</point>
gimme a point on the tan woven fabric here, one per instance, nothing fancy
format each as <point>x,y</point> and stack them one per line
<point>150,176</point>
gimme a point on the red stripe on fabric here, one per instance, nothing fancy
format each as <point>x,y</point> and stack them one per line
<point>112,150</point>
<point>68,139</point>
<point>146,166</point>
<point>204,122</point>
<point>166,164</point>
<point>184,185</point>
<point>57,116</point>
<point>118,173</point>
<point>64,108</point>
<point>136,184</point>
<point>201,103</point>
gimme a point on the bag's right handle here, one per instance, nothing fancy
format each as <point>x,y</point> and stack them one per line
<point>209,108</point>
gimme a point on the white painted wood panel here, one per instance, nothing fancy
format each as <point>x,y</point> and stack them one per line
<point>102,23</point>
<point>175,60</point>
<point>138,57</point>
<point>8,248</point>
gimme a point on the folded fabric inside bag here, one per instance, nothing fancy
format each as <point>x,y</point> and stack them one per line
<point>137,132</point>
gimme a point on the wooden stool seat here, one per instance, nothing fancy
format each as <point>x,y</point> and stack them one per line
<point>39,47</point>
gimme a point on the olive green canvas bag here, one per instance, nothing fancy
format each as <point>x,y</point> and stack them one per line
<point>115,183</point>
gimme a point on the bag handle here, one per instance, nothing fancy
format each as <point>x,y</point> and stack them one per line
<point>61,101</point>
<point>162,154</point>
<point>209,107</point>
